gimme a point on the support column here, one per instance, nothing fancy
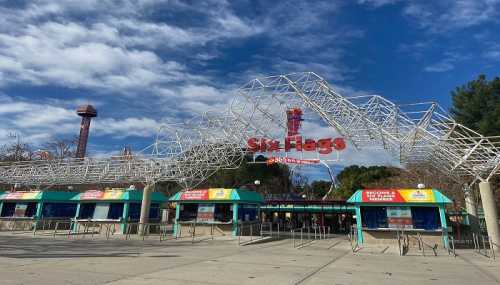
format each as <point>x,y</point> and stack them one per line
<point>177,215</point>
<point>74,225</point>
<point>359,225</point>
<point>124,223</point>
<point>146,203</point>
<point>490,212</point>
<point>444,226</point>
<point>235,219</point>
<point>470,206</point>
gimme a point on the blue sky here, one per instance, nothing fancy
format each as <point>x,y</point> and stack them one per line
<point>142,62</point>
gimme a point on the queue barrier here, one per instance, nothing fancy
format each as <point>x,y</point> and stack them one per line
<point>192,229</point>
<point>484,245</point>
<point>163,229</point>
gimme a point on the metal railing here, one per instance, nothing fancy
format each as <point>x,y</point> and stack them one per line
<point>255,231</point>
<point>353,239</point>
<point>484,245</point>
<point>149,229</point>
<point>192,225</point>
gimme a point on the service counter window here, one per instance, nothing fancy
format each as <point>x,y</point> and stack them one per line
<point>134,211</point>
<point>223,213</point>
<point>188,212</point>
<point>374,217</point>
<point>59,210</point>
<point>154,211</point>
<point>426,218</point>
<point>115,211</point>
<point>247,212</point>
<point>19,209</point>
<point>87,210</point>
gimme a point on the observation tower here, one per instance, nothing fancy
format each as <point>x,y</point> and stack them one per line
<point>87,112</point>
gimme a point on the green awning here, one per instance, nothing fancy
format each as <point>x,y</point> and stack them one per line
<point>37,196</point>
<point>122,195</point>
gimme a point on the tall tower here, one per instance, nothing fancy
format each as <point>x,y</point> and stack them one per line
<point>87,112</point>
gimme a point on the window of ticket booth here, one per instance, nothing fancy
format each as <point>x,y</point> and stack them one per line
<point>426,218</point>
<point>59,210</point>
<point>115,211</point>
<point>223,213</point>
<point>247,212</point>
<point>374,217</point>
<point>87,210</point>
<point>134,211</point>
<point>188,212</point>
<point>19,209</point>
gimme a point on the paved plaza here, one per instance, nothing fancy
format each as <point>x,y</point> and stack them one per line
<point>44,260</point>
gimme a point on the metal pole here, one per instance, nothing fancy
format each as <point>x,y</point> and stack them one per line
<point>490,212</point>
<point>470,206</point>
<point>146,203</point>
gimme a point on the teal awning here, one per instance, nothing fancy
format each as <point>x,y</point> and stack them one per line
<point>118,195</point>
<point>38,196</point>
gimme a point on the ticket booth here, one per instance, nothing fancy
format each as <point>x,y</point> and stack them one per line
<point>116,206</point>
<point>219,207</point>
<point>380,213</point>
<point>36,205</point>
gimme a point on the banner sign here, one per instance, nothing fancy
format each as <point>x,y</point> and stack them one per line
<point>207,194</point>
<point>205,213</point>
<point>195,195</point>
<point>289,160</point>
<point>398,196</point>
<point>219,194</point>
<point>399,217</point>
<point>20,210</point>
<point>92,195</point>
<point>21,195</point>
<point>102,195</point>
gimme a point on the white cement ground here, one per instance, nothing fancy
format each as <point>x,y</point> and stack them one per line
<point>43,260</point>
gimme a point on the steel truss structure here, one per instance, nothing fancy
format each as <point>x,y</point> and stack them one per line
<point>190,152</point>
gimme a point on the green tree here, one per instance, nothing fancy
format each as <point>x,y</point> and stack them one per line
<point>477,105</point>
<point>356,177</point>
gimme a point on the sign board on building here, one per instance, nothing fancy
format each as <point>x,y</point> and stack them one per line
<point>399,217</point>
<point>20,210</point>
<point>207,194</point>
<point>205,213</point>
<point>398,196</point>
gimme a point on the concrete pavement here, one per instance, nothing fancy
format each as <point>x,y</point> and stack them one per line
<point>44,260</point>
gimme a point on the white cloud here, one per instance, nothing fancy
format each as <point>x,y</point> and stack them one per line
<point>445,15</point>
<point>377,3</point>
<point>440,67</point>
<point>129,127</point>
<point>449,15</point>
<point>492,52</point>
<point>36,122</point>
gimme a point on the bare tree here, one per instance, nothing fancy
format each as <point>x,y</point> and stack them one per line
<point>59,148</point>
<point>17,150</point>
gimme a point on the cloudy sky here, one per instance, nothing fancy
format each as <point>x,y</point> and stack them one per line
<point>144,61</point>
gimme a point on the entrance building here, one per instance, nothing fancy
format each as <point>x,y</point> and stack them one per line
<point>335,215</point>
<point>382,213</point>
<point>119,206</point>
<point>31,206</point>
<point>215,207</point>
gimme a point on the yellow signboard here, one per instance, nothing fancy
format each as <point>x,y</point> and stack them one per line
<point>418,195</point>
<point>113,195</point>
<point>219,194</point>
